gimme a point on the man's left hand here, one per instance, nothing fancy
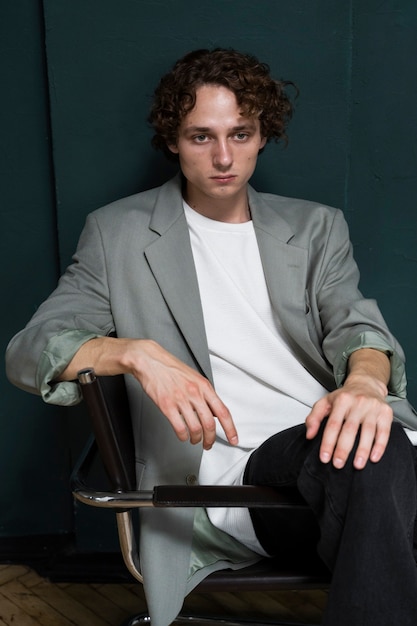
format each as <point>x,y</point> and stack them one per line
<point>360,405</point>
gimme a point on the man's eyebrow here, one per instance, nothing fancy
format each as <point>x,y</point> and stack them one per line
<point>207,129</point>
<point>197,129</point>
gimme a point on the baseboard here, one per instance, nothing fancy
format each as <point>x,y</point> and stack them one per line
<point>55,557</point>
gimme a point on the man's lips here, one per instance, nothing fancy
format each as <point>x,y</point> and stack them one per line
<point>223,177</point>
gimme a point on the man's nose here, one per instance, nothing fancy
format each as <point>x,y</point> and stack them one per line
<point>222,157</point>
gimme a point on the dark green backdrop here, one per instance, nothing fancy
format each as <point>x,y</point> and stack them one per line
<point>77,77</point>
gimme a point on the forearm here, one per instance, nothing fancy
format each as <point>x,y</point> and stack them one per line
<point>108,356</point>
<point>371,368</point>
<point>182,394</point>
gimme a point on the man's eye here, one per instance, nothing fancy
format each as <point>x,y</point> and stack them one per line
<point>241,136</point>
<point>200,138</point>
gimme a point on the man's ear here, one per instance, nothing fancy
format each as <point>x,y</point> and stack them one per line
<point>173,148</point>
<point>263,143</point>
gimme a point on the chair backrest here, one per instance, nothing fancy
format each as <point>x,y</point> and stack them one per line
<point>108,406</point>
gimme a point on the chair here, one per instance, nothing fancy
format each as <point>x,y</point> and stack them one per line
<point>108,407</point>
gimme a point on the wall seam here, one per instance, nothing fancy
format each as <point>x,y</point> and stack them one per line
<point>71,529</point>
<point>51,145</point>
<point>350,104</point>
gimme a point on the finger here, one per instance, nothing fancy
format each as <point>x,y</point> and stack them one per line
<point>317,414</point>
<point>330,437</point>
<point>226,421</point>
<point>208,425</point>
<point>347,438</point>
<point>189,426</point>
<point>209,408</point>
<point>183,418</point>
<point>374,420</point>
<point>374,428</point>
<point>199,425</point>
<point>340,406</point>
<point>183,405</point>
<point>366,441</point>
<point>181,427</point>
<point>194,425</point>
<point>383,432</point>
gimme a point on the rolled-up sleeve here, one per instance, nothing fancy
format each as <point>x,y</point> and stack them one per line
<point>58,353</point>
<point>397,385</point>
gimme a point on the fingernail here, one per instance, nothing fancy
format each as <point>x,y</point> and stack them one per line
<point>234,440</point>
<point>338,463</point>
<point>325,457</point>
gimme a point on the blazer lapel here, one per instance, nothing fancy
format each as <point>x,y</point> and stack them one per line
<point>171,261</point>
<point>285,268</point>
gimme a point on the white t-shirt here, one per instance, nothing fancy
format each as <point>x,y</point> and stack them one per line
<point>255,373</point>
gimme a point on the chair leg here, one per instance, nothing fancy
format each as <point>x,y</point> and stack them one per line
<point>187,620</point>
<point>137,620</point>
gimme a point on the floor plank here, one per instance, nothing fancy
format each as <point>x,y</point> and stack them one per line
<point>62,602</point>
<point>27,599</point>
<point>13,614</point>
<point>11,572</point>
<point>97,601</point>
<point>36,607</point>
<point>124,598</point>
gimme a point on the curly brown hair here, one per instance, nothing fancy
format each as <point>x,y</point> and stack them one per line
<point>256,93</point>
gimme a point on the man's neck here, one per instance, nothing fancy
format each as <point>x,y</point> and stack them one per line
<point>232,210</point>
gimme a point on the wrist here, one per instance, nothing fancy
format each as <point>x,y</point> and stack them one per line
<point>366,380</point>
<point>369,367</point>
<point>135,355</point>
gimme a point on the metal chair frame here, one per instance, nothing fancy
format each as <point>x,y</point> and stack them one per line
<point>108,408</point>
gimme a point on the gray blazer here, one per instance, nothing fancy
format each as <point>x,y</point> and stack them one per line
<point>133,272</point>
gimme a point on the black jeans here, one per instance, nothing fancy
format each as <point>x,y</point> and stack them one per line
<point>362,523</point>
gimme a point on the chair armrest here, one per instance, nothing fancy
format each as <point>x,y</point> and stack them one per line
<point>175,496</point>
<point>107,405</point>
<point>220,496</point>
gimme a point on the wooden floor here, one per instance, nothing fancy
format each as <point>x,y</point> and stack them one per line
<point>26,599</point>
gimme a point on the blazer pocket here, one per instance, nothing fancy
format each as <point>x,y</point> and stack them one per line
<point>313,323</point>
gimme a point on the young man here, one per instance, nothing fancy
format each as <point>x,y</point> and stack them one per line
<point>253,358</point>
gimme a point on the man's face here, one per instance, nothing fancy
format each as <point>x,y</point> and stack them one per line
<point>218,150</point>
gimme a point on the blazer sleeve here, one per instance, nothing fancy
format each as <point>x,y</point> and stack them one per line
<point>78,310</point>
<point>349,320</point>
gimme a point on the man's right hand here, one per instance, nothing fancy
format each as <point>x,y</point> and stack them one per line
<point>184,396</point>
